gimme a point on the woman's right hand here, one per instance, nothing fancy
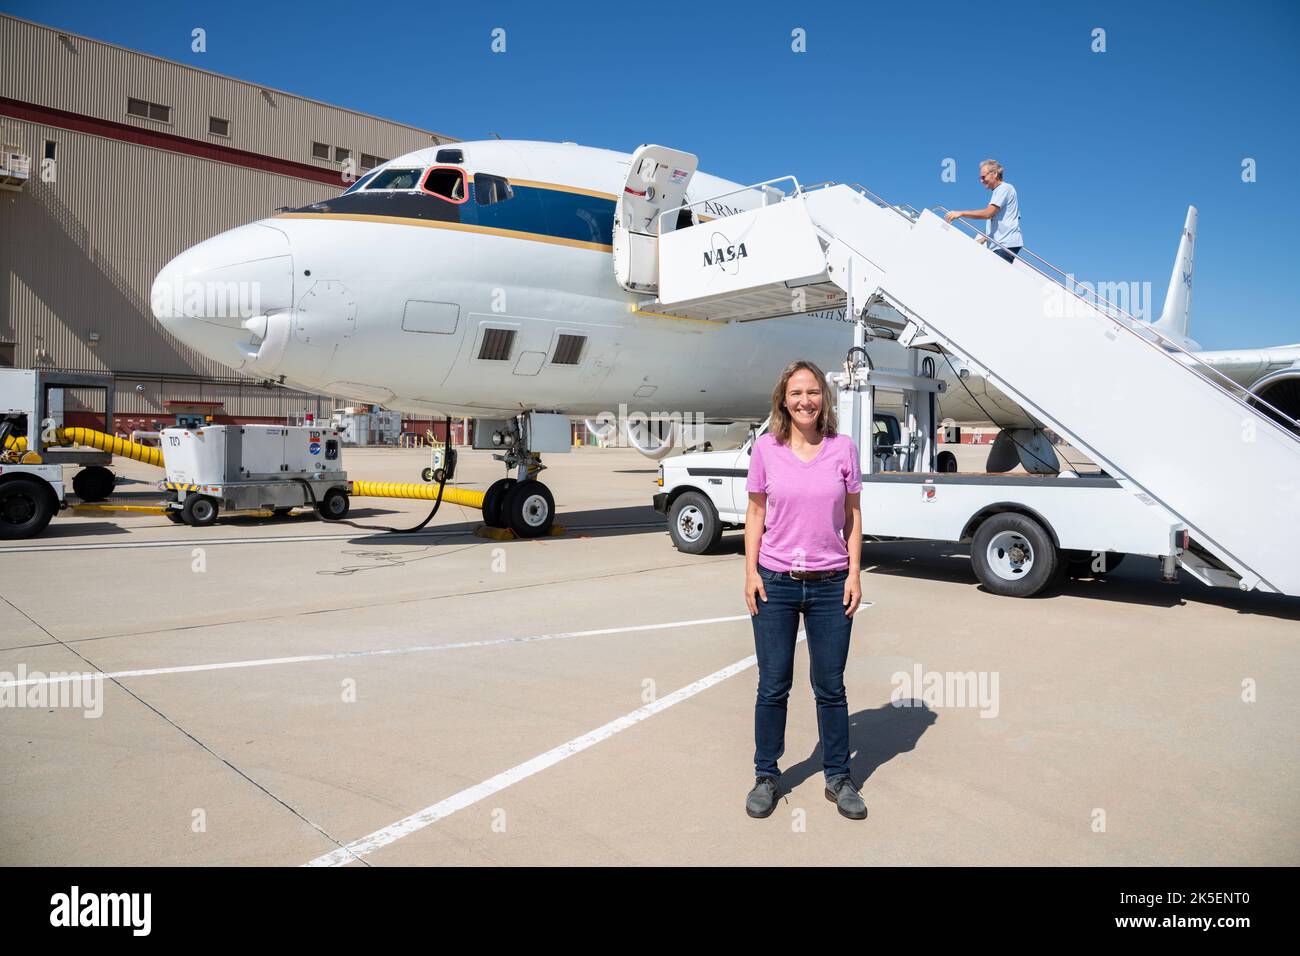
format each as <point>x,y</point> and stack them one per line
<point>754,585</point>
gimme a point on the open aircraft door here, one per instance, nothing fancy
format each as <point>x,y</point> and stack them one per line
<point>656,182</point>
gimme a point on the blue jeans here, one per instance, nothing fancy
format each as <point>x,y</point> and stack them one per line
<point>776,626</point>
<point>1008,254</point>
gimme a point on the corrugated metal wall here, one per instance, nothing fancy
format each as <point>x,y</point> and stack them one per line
<point>78,255</point>
<point>85,76</point>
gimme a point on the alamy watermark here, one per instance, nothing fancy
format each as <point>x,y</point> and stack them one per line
<point>1076,299</point>
<point>41,691</point>
<point>934,689</point>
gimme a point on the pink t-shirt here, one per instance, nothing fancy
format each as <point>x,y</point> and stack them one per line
<point>805,502</point>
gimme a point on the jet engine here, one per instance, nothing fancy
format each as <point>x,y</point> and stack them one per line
<point>1281,389</point>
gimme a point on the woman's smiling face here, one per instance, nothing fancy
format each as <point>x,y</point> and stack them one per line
<point>803,398</point>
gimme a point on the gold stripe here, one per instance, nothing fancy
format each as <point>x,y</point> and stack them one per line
<point>676,318</point>
<point>456,226</point>
<point>577,190</point>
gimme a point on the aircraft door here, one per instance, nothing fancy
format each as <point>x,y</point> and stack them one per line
<point>656,181</point>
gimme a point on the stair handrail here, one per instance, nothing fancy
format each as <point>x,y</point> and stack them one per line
<point>676,210</point>
<point>1145,331</point>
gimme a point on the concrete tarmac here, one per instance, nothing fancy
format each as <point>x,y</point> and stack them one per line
<point>281,692</point>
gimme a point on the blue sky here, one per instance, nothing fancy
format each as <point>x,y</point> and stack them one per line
<point>1106,149</point>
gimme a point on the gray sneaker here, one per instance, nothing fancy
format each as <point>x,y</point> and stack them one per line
<point>762,799</point>
<point>841,792</point>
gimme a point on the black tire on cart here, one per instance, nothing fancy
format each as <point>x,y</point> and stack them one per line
<point>334,506</point>
<point>93,483</point>
<point>1013,555</point>
<point>529,509</point>
<point>426,474</point>
<point>200,511</point>
<point>494,500</point>
<point>26,507</point>
<point>693,523</point>
<point>1089,564</point>
<point>174,516</point>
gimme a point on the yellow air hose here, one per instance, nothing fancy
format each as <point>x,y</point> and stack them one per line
<point>120,447</point>
<point>396,489</point>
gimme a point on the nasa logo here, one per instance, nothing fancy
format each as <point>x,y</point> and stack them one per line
<point>314,448</point>
<point>725,254</point>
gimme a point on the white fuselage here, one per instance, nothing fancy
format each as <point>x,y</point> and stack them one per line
<point>350,299</point>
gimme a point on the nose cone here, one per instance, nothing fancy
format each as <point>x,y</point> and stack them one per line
<point>212,295</point>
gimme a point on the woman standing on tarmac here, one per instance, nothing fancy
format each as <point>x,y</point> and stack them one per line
<point>803,545</point>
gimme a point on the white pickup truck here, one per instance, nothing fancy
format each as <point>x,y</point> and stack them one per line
<point>1025,531</point>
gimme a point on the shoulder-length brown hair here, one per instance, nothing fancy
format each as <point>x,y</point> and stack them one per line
<point>780,424</point>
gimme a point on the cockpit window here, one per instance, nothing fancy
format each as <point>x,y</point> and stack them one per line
<point>361,183</point>
<point>491,189</point>
<point>446,182</point>
<point>396,179</point>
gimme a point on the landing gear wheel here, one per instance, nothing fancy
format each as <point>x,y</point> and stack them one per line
<point>199,511</point>
<point>693,523</point>
<point>334,506</point>
<point>1090,564</point>
<point>26,507</point>
<point>94,483</point>
<point>947,461</point>
<point>426,474</point>
<point>529,509</point>
<point>1013,555</point>
<point>494,501</point>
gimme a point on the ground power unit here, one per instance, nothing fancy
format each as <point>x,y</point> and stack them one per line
<point>252,467</point>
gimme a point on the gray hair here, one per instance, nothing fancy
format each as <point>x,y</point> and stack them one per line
<point>994,165</point>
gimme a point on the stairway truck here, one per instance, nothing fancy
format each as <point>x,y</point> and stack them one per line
<point>252,467</point>
<point>1024,531</point>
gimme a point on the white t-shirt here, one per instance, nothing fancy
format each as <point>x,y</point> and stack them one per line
<point>1004,227</point>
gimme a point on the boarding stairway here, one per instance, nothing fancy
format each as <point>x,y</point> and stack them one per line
<point>1169,428</point>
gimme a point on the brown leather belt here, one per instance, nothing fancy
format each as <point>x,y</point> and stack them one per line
<point>812,575</point>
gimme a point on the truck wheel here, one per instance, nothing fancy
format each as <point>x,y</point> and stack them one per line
<point>946,462</point>
<point>199,511</point>
<point>26,507</point>
<point>494,500</point>
<point>693,523</point>
<point>1013,555</point>
<point>1084,564</point>
<point>334,506</point>
<point>529,509</point>
<point>94,483</point>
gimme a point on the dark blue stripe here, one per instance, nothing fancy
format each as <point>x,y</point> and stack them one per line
<point>533,210</point>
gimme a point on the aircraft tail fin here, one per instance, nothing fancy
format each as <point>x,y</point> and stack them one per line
<point>1178,299</point>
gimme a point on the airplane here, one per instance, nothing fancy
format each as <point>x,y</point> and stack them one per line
<point>495,280</point>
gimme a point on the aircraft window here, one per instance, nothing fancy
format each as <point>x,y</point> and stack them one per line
<point>491,189</point>
<point>446,182</point>
<point>396,179</point>
<point>361,183</point>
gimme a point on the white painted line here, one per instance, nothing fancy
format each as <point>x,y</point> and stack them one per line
<point>360,535</point>
<point>381,652</point>
<point>471,795</point>
<point>459,801</point>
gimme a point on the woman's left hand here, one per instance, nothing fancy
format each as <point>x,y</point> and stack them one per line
<point>852,595</point>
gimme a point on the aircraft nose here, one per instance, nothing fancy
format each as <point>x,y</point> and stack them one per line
<point>215,296</point>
